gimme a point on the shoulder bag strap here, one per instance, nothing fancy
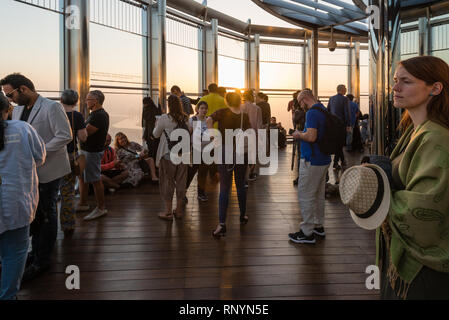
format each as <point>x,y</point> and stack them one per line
<point>130,151</point>
<point>74,136</point>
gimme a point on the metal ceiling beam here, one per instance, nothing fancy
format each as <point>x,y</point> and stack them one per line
<point>436,9</point>
<point>299,16</point>
<point>294,15</point>
<point>349,25</point>
<point>329,9</point>
<point>360,4</point>
<point>345,5</point>
<point>327,18</point>
<point>195,9</point>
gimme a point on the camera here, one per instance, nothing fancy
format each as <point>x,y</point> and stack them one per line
<point>291,131</point>
<point>332,45</point>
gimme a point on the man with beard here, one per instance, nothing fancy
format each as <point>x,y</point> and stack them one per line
<point>51,123</point>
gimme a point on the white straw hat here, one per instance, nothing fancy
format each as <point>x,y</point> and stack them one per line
<point>366,191</point>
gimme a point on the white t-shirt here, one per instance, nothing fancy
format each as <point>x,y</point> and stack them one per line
<point>199,130</point>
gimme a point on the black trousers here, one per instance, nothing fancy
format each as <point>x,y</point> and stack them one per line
<point>339,156</point>
<point>202,170</point>
<point>356,139</point>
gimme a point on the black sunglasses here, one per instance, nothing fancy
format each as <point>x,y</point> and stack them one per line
<point>9,95</point>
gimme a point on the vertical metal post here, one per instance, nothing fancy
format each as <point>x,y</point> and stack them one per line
<point>162,13</point>
<point>211,52</point>
<point>308,64</point>
<point>304,63</point>
<point>201,59</point>
<point>423,36</point>
<point>350,67</point>
<point>253,81</point>
<point>76,49</point>
<point>146,41</point>
<point>356,70</point>
<point>315,62</point>
<point>380,83</point>
<point>153,49</point>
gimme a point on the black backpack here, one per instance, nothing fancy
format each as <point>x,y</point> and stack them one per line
<point>334,137</point>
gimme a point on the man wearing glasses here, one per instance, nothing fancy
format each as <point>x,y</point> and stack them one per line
<point>312,170</point>
<point>51,123</point>
<point>97,126</point>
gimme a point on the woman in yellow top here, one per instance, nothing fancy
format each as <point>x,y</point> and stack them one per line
<point>413,242</point>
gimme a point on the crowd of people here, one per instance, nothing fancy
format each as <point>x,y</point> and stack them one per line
<point>46,146</point>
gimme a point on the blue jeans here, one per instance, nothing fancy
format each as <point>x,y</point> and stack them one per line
<point>239,171</point>
<point>14,246</point>
<point>44,228</point>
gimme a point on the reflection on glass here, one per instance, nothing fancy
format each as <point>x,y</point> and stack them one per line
<point>280,75</point>
<point>183,68</point>
<point>31,44</point>
<point>115,55</point>
<point>125,112</point>
<point>231,72</point>
<point>330,77</point>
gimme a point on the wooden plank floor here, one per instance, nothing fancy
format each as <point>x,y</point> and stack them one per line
<point>131,254</point>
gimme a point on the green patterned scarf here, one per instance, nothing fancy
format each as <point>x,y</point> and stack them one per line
<point>416,231</point>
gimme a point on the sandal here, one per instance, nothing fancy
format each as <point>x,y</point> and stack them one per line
<point>244,220</point>
<point>164,216</point>
<point>220,231</point>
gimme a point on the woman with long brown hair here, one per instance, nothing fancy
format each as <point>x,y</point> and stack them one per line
<point>413,242</point>
<point>171,175</point>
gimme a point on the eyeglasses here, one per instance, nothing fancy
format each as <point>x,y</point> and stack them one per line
<point>9,95</point>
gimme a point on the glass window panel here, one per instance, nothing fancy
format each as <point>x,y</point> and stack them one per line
<point>231,47</point>
<point>329,77</point>
<point>280,53</point>
<point>116,55</point>
<point>409,44</point>
<point>280,76</point>
<point>231,72</point>
<point>182,34</point>
<point>364,57</point>
<point>125,112</point>
<point>364,80</point>
<point>279,104</point>
<point>440,42</point>
<point>338,57</point>
<point>31,46</point>
<point>364,104</point>
<point>183,68</point>
<point>443,54</point>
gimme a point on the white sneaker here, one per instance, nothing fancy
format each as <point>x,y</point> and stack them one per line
<point>82,208</point>
<point>97,213</point>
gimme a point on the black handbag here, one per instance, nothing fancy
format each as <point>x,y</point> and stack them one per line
<point>144,166</point>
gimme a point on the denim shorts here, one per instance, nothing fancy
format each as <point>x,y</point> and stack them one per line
<point>92,173</point>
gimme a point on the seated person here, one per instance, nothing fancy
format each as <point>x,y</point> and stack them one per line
<point>130,153</point>
<point>113,172</point>
<point>282,133</point>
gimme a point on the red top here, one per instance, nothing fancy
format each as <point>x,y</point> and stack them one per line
<point>107,162</point>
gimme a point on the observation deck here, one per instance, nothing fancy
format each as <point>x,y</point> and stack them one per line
<point>131,254</point>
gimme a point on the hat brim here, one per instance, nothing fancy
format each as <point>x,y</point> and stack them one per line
<point>376,220</point>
